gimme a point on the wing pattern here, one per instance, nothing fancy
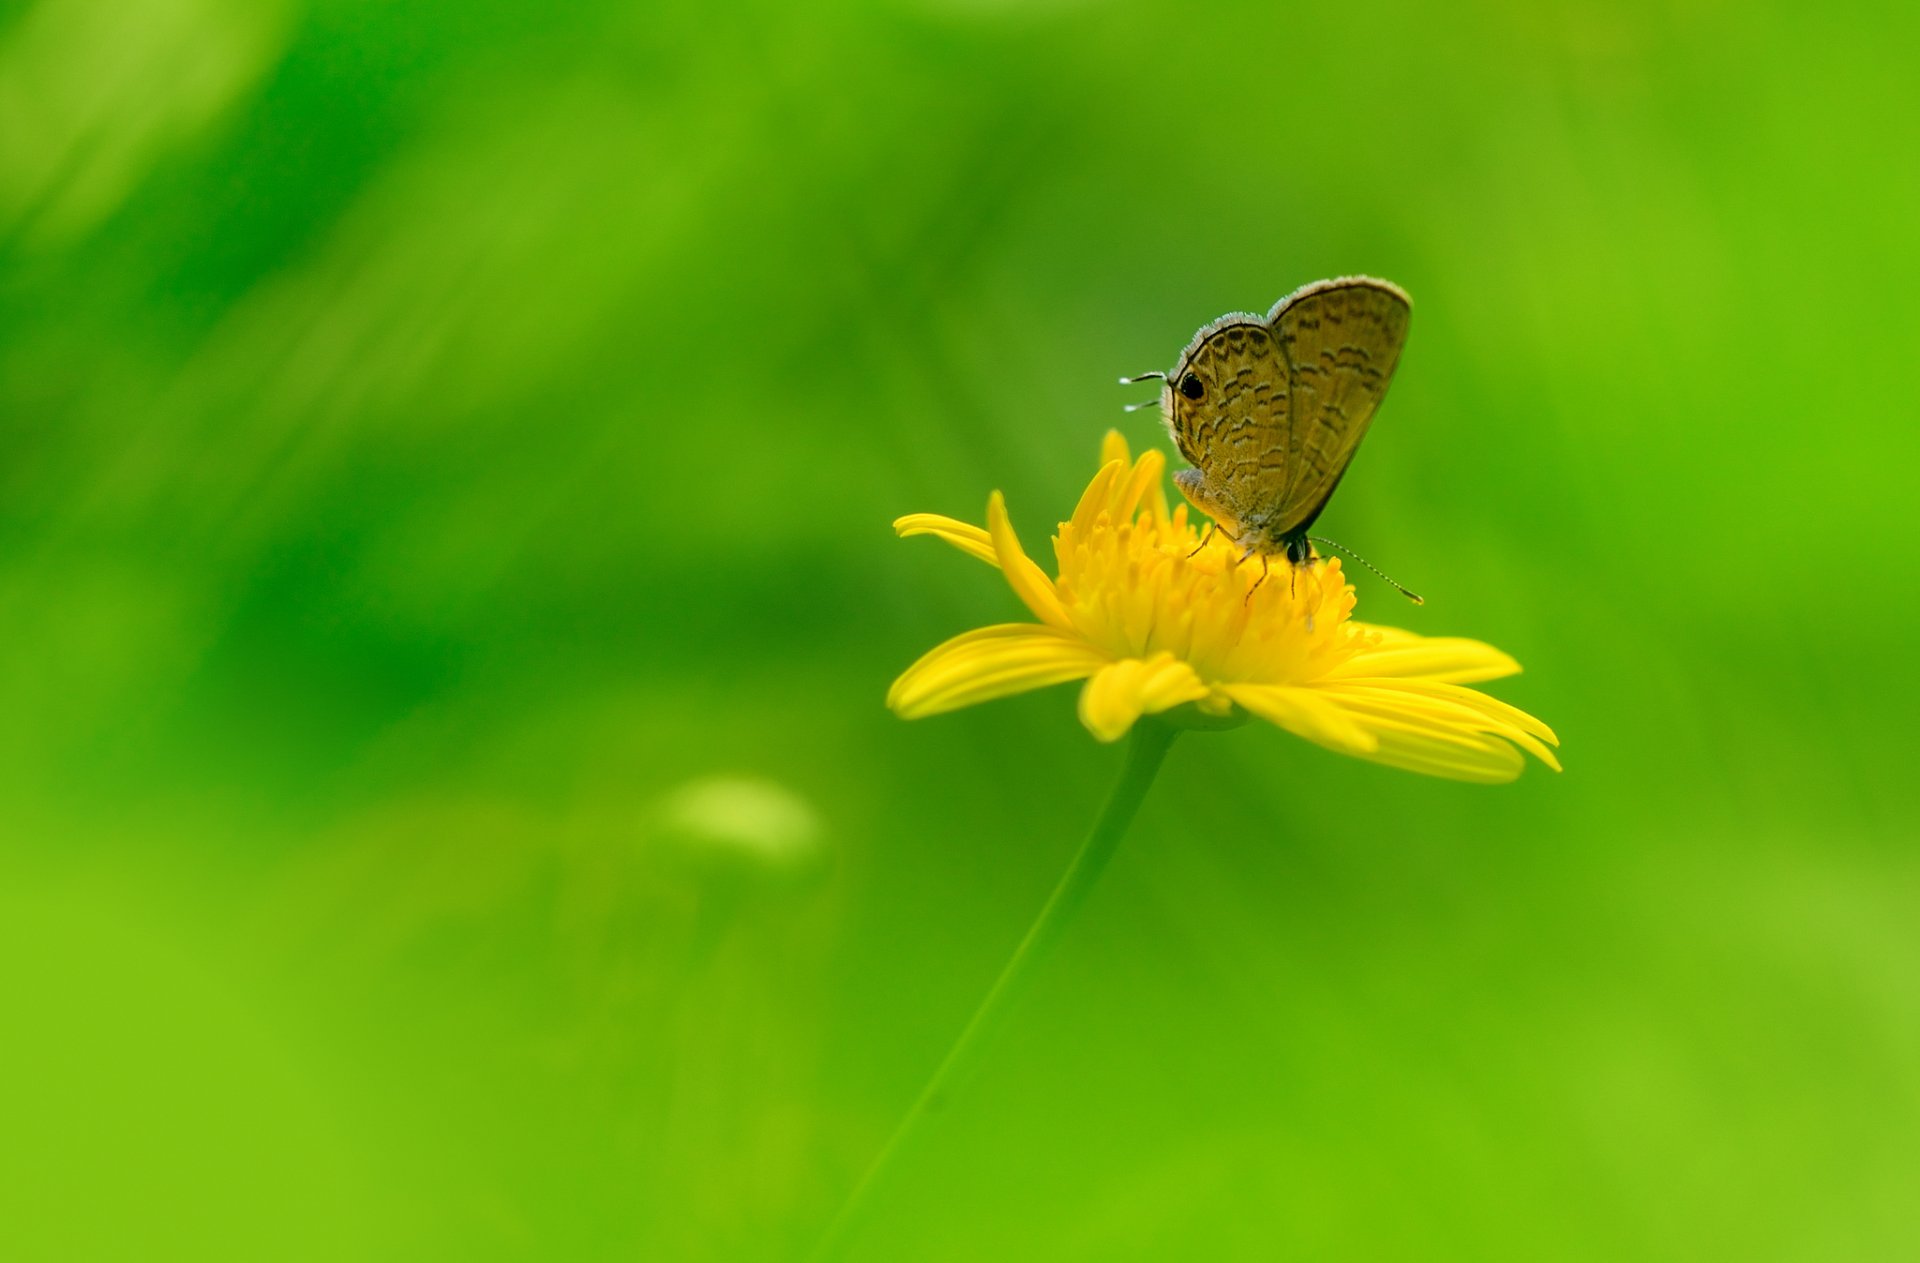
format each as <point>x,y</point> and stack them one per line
<point>1235,430</point>
<point>1341,341</point>
<point>1271,411</point>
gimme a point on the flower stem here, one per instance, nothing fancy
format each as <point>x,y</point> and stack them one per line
<point>1146,747</point>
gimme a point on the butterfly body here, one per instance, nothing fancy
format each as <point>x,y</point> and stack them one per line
<point>1269,411</point>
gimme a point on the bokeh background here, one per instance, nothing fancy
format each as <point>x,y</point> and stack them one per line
<point>446,459</point>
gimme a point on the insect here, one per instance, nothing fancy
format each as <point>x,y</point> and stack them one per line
<point>1269,412</point>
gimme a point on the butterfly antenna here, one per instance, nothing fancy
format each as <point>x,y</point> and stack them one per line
<point>1135,380</point>
<point>1391,581</point>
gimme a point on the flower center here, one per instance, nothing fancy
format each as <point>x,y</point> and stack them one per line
<point>1157,584</point>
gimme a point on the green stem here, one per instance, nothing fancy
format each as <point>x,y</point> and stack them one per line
<point>1145,749</point>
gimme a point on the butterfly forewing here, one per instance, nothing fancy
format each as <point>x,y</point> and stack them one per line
<point>1341,341</point>
<point>1228,408</point>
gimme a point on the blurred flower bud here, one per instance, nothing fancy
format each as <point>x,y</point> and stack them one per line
<point>741,828</point>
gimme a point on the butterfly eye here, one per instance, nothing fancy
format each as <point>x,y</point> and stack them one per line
<point>1191,386</point>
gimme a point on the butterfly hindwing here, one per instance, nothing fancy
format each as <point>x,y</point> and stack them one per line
<point>1341,341</point>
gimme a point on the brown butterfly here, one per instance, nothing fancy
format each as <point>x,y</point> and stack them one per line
<point>1270,412</point>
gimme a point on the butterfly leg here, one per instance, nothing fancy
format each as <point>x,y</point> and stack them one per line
<point>1204,539</point>
<point>1299,554</point>
<point>1257,582</point>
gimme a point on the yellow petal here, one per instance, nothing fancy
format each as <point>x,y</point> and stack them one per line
<point>1484,761</point>
<point>965,536</point>
<point>1094,500</point>
<point>1157,493</point>
<point>1474,699</point>
<point>1439,735</point>
<point>1123,691</point>
<point>1463,708</point>
<point>1304,714</point>
<point>1114,447</point>
<point>1403,655</point>
<point>991,662</point>
<point>1145,476</point>
<point>1028,581</point>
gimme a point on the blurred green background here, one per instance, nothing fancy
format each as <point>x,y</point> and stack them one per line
<point>446,459</point>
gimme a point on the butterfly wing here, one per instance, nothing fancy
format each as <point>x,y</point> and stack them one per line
<point>1226,405</point>
<point>1340,340</point>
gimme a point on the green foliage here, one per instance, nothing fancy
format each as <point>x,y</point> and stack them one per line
<point>441,442</point>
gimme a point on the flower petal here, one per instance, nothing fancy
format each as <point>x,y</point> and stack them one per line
<point>1028,581</point>
<point>1304,713</point>
<point>991,662</point>
<point>1123,691</point>
<point>965,536</point>
<point>1147,476</point>
<point>1454,704</point>
<point>1471,699</point>
<point>1482,761</point>
<point>1457,733</point>
<point>1094,500</point>
<point>1403,655</point>
<point>1157,494</point>
<point>1150,476</point>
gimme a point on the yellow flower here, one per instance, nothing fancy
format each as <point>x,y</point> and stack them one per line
<point>1152,619</point>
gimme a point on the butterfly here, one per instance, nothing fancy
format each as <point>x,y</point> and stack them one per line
<point>1269,412</point>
